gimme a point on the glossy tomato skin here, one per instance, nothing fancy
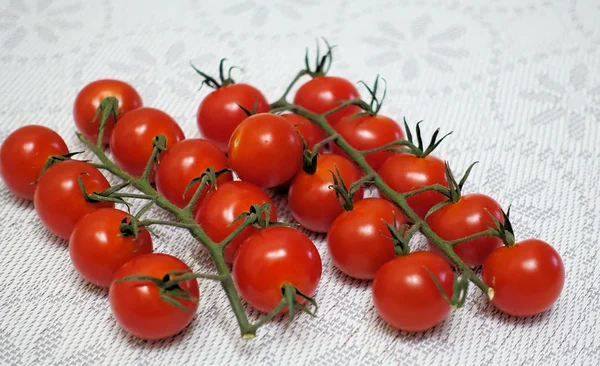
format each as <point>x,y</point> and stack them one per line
<point>223,205</point>
<point>89,98</point>
<point>58,199</point>
<point>265,150</point>
<point>184,161</point>
<point>98,248</point>
<point>368,132</point>
<point>324,93</point>
<point>132,139</point>
<point>527,277</point>
<point>312,203</point>
<point>271,258</point>
<point>406,296</point>
<point>23,155</point>
<point>466,217</point>
<point>310,132</point>
<point>359,242</point>
<point>136,305</point>
<point>218,114</point>
<point>405,172</point>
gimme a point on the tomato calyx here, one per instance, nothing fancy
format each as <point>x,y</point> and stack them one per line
<point>322,63</point>
<point>344,194</point>
<point>207,179</point>
<point>460,287</point>
<point>258,215</point>
<point>55,159</point>
<point>249,112</point>
<point>504,230</point>
<point>108,107</point>
<point>420,150</point>
<point>454,190</point>
<point>289,293</point>
<point>223,79</point>
<point>401,236</point>
<point>310,157</point>
<point>375,103</point>
<point>104,196</point>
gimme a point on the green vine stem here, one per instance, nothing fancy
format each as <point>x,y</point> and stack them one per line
<point>399,199</point>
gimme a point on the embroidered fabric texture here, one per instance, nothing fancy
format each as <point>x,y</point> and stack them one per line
<point>517,82</point>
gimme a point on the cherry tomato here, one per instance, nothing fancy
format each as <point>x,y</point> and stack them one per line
<point>359,242</point>
<point>405,172</point>
<point>466,217</point>
<point>137,305</point>
<point>58,200</point>
<point>223,205</point>
<point>324,93</point>
<point>368,132</point>
<point>184,161</point>
<point>271,258</point>
<point>265,150</point>
<point>90,97</point>
<point>406,296</point>
<point>23,155</point>
<point>527,277</point>
<point>311,133</point>
<point>98,247</point>
<point>312,203</point>
<point>132,139</point>
<point>219,114</point>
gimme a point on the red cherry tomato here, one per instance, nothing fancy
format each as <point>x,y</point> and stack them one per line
<point>405,172</point>
<point>184,161</point>
<point>406,296</point>
<point>23,155</point>
<point>527,277</point>
<point>324,93</point>
<point>368,132</point>
<point>98,248</point>
<point>359,242</point>
<point>137,305</point>
<point>132,139</point>
<point>223,205</point>
<point>466,217</point>
<point>271,258</point>
<point>90,97</point>
<point>58,199</point>
<point>265,150</point>
<point>312,203</point>
<point>219,114</point>
<point>311,133</point>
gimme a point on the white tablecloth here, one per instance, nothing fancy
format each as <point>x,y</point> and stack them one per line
<point>517,82</point>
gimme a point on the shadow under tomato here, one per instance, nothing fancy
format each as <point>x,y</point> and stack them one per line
<point>486,309</point>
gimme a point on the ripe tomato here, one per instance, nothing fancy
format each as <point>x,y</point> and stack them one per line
<point>527,277</point>
<point>312,203</point>
<point>323,93</point>
<point>132,138</point>
<point>311,133</point>
<point>23,155</point>
<point>58,199</point>
<point>405,172</point>
<point>368,132</point>
<point>184,161</point>
<point>359,242</point>
<point>221,206</point>
<point>98,248</point>
<point>90,97</point>
<point>466,217</point>
<point>406,296</point>
<point>218,114</point>
<point>137,305</point>
<point>265,150</point>
<point>271,258</point>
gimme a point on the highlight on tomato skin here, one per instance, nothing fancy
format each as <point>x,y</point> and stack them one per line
<point>406,296</point>
<point>98,248</point>
<point>58,200</point>
<point>137,305</point>
<point>527,277</point>
<point>271,258</point>
<point>23,155</point>
<point>89,98</point>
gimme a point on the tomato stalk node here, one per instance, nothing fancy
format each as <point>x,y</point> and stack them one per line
<point>460,289</point>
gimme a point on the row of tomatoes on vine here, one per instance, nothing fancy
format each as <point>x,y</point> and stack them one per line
<point>265,150</point>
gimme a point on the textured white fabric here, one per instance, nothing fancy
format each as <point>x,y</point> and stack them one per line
<point>517,82</point>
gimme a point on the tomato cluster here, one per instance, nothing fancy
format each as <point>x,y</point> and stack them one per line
<point>216,183</point>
